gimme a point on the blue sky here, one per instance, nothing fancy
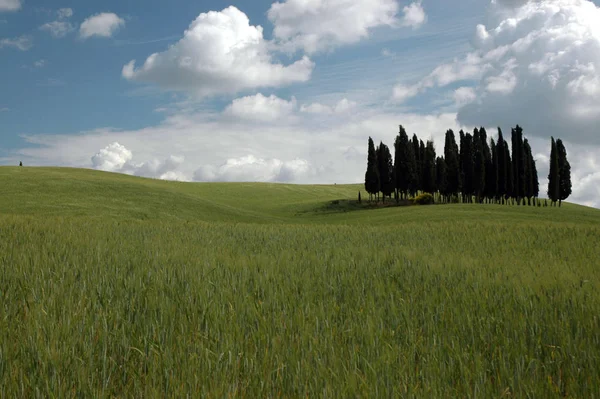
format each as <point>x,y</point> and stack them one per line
<point>297,102</point>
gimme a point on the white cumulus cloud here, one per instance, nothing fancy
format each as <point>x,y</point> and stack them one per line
<point>261,108</point>
<point>57,29</point>
<point>252,169</point>
<point>105,24</point>
<point>64,13</point>
<point>343,106</point>
<point>22,43</point>
<point>318,25</point>
<point>414,15</point>
<point>10,5</point>
<point>219,53</point>
<point>117,158</point>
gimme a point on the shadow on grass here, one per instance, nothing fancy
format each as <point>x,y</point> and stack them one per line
<point>343,206</point>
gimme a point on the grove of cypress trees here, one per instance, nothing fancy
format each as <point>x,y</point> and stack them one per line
<point>564,173</point>
<point>518,164</point>
<point>553,175</point>
<point>372,174</point>
<point>509,172</point>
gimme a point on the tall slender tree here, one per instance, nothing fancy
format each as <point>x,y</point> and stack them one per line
<point>554,174</point>
<point>509,172</point>
<point>479,165</point>
<point>502,167</point>
<point>418,170</point>
<point>518,163</point>
<point>564,172</point>
<point>386,170</point>
<point>492,183</point>
<point>372,174</point>
<point>451,157</point>
<point>403,163</point>
<point>441,176</point>
<point>468,166</point>
<point>429,172</point>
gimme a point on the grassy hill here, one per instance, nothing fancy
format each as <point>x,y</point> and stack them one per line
<point>112,285</point>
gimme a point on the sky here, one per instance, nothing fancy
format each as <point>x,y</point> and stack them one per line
<point>290,91</point>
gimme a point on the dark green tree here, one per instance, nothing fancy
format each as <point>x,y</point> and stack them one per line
<point>429,172</point>
<point>441,175</point>
<point>479,165</point>
<point>502,168</point>
<point>385,168</point>
<point>509,171</point>
<point>489,190</point>
<point>372,174</point>
<point>564,172</point>
<point>422,164</point>
<point>418,169</point>
<point>451,157</point>
<point>492,183</point>
<point>531,177</point>
<point>554,174</point>
<point>467,166</point>
<point>518,164</point>
<point>403,163</point>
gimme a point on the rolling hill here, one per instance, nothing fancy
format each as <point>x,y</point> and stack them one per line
<point>112,285</point>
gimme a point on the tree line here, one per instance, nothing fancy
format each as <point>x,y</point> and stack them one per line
<point>472,170</point>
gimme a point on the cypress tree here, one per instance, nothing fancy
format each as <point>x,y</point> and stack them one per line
<point>564,172</point>
<point>479,166</point>
<point>492,183</point>
<point>403,163</point>
<point>501,168</point>
<point>518,163</point>
<point>386,170</point>
<point>441,174</point>
<point>468,166</point>
<point>489,189</point>
<point>422,164</point>
<point>451,157</point>
<point>429,172</point>
<point>418,170</point>
<point>372,174</point>
<point>553,175</point>
<point>509,172</point>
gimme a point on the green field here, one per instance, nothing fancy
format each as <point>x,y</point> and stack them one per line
<point>117,286</point>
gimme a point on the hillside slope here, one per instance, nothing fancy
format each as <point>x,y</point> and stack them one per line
<point>86,193</point>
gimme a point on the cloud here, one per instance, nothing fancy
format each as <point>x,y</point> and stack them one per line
<point>319,25</point>
<point>4,109</point>
<point>252,169</point>
<point>10,5</point>
<point>537,64</point>
<point>261,108</point>
<point>64,13</point>
<point>105,24</point>
<point>343,106</point>
<point>39,63</point>
<point>22,43</point>
<point>57,29</point>
<point>464,95</point>
<point>414,15</point>
<point>117,158</point>
<point>220,53</point>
